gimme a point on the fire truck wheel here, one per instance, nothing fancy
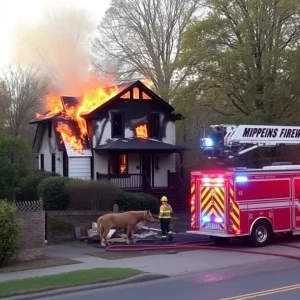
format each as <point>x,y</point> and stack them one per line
<point>221,241</point>
<point>261,233</point>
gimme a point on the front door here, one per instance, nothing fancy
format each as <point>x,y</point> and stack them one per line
<point>296,203</point>
<point>146,163</point>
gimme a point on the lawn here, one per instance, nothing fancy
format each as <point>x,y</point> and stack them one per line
<point>74,278</point>
<point>44,262</point>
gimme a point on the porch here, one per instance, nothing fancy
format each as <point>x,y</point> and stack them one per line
<point>142,165</point>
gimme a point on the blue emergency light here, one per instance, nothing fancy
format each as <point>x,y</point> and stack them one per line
<point>208,142</point>
<point>241,178</point>
<point>206,219</point>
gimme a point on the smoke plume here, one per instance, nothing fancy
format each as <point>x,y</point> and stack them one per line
<point>58,45</point>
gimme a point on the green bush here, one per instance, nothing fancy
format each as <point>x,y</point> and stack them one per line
<point>16,161</point>
<point>137,201</point>
<point>91,195</point>
<point>9,230</point>
<point>29,184</point>
<point>52,190</point>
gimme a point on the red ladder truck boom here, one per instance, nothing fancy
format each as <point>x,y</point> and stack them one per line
<point>233,140</point>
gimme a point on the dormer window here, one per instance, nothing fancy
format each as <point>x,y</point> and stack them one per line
<point>153,125</point>
<point>117,125</point>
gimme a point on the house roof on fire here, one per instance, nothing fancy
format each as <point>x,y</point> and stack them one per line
<point>124,88</point>
<point>139,144</point>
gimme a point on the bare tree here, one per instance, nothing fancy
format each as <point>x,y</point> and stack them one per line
<point>143,37</point>
<point>21,94</point>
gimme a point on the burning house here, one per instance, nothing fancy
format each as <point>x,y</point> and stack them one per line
<point>125,134</point>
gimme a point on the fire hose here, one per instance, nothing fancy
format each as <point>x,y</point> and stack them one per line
<point>196,245</point>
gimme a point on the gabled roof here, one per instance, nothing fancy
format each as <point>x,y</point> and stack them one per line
<point>124,88</point>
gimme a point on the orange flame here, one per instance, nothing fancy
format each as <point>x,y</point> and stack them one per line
<point>93,94</point>
<point>141,132</point>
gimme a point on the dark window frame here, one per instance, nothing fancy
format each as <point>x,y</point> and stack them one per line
<point>53,162</point>
<point>113,135</point>
<point>42,162</point>
<point>49,130</point>
<point>65,164</point>
<point>116,159</point>
<point>157,131</point>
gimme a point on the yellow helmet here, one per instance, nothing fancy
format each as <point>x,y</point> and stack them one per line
<point>164,199</point>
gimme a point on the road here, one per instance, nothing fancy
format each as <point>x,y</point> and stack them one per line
<point>212,285</point>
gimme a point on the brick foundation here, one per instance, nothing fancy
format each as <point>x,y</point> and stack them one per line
<point>31,219</point>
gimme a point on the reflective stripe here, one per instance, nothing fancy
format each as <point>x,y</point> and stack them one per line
<point>170,232</point>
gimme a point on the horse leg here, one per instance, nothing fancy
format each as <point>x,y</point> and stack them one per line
<point>102,239</point>
<point>131,235</point>
<point>128,232</point>
<point>105,236</point>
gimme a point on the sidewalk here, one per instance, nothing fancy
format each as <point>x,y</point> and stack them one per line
<point>170,265</point>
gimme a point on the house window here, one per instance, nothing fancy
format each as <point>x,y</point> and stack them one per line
<point>118,164</point>
<point>65,164</point>
<point>53,166</point>
<point>153,126</point>
<point>49,130</point>
<point>42,167</point>
<point>117,129</point>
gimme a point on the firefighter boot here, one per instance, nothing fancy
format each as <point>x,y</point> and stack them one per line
<point>163,238</point>
<point>170,236</point>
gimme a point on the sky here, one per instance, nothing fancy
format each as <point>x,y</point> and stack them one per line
<point>29,11</point>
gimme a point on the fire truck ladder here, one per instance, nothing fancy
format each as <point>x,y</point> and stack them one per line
<point>229,141</point>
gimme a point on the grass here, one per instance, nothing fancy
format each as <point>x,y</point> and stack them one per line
<point>74,278</point>
<point>45,262</point>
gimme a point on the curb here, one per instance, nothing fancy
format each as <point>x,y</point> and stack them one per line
<point>88,287</point>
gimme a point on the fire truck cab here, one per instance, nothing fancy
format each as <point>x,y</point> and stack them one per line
<point>247,203</point>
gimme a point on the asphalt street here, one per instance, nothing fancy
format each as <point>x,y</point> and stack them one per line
<point>213,285</point>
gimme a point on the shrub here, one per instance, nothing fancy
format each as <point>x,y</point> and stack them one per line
<point>137,201</point>
<point>52,190</point>
<point>9,239</point>
<point>91,195</point>
<point>29,184</point>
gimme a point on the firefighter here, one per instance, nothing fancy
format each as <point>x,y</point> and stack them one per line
<point>165,212</point>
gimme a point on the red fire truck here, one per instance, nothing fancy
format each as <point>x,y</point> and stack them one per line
<point>241,202</point>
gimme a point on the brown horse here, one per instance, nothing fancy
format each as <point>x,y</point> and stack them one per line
<point>127,220</point>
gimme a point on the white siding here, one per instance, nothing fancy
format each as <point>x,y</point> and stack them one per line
<point>170,134</point>
<point>100,163</point>
<point>106,132</point>
<point>80,167</point>
<point>74,153</point>
<point>134,163</point>
<point>129,133</point>
<point>166,162</point>
<point>49,146</point>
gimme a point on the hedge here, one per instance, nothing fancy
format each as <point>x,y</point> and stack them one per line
<point>137,201</point>
<point>9,231</point>
<point>91,195</point>
<point>61,193</point>
<point>52,190</point>
<point>29,184</point>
